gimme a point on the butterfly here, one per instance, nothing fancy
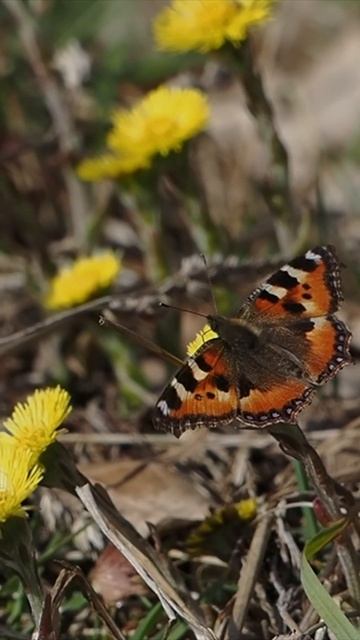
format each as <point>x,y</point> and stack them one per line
<point>262,365</point>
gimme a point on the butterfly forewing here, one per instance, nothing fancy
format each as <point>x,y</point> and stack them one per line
<point>202,392</point>
<point>309,286</point>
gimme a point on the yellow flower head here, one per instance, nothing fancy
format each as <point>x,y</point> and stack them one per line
<point>246,509</point>
<point>109,166</point>
<point>207,24</point>
<point>80,281</point>
<point>204,335</point>
<point>33,424</point>
<point>161,122</point>
<point>218,532</point>
<point>18,478</point>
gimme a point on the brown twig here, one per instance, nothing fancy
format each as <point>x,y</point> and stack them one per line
<point>249,574</point>
<point>183,283</point>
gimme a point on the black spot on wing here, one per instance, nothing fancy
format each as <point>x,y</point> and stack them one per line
<point>186,378</point>
<point>305,264</point>
<point>294,307</point>
<point>244,386</point>
<point>202,364</point>
<point>172,399</point>
<point>306,286</point>
<point>266,295</point>
<point>283,279</point>
<point>302,326</point>
<point>307,296</point>
<point>210,395</point>
<point>222,383</point>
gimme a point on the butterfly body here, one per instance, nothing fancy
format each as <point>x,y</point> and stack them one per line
<point>265,362</point>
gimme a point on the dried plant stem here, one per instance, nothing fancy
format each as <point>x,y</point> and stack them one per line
<point>141,303</point>
<point>59,112</point>
<point>249,574</point>
<point>277,189</point>
<point>293,441</point>
<point>22,338</point>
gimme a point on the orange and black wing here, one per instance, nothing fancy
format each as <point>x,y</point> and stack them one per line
<point>278,402</point>
<point>202,393</point>
<point>309,286</point>
<point>326,342</point>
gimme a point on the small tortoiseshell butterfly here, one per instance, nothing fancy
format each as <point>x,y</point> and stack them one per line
<point>263,364</point>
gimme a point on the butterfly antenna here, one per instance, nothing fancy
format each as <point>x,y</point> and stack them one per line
<point>211,288</point>
<point>108,318</point>
<point>194,313</point>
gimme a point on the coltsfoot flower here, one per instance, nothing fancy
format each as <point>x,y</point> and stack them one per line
<point>19,477</point>
<point>205,25</point>
<point>34,424</point>
<point>159,123</point>
<point>79,282</point>
<point>110,166</point>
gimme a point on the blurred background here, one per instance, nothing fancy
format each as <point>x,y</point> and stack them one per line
<point>275,171</point>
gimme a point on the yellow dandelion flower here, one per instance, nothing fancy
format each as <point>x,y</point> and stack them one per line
<point>218,533</point>
<point>246,509</point>
<point>34,423</point>
<point>204,25</point>
<point>204,335</point>
<point>110,166</point>
<point>251,12</point>
<point>18,478</point>
<point>161,122</point>
<point>80,281</point>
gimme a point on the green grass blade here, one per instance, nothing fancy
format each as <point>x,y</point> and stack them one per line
<point>322,602</point>
<point>148,623</point>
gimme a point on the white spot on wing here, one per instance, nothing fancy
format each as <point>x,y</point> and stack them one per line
<point>222,396</point>
<point>198,373</point>
<point>163,407</point>
<point>279,292</point>
<point>180,389</point>
<point>294,273</point>
<point>310,255</point>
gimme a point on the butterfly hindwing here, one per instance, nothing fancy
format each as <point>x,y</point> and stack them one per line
<point>308,286</point>
<point>280,402</point>
<point>327,341</point>
<point>200,393</point>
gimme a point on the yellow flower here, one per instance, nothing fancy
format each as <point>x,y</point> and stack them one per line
<point>246,508</point>
<point>18,478</point>
<point>161,122</point>
<point>110,166</point>
<point>206,24</point>
<point>218,533</point>
<point>251,12</point>
<point>33,424</point>
<point>204,335</point>
<point>80,281</point>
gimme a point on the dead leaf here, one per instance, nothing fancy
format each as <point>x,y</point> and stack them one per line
<point>150,492</point>
<point>114,578</point>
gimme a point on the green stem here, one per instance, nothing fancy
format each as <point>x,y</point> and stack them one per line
<point>310,524</point>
